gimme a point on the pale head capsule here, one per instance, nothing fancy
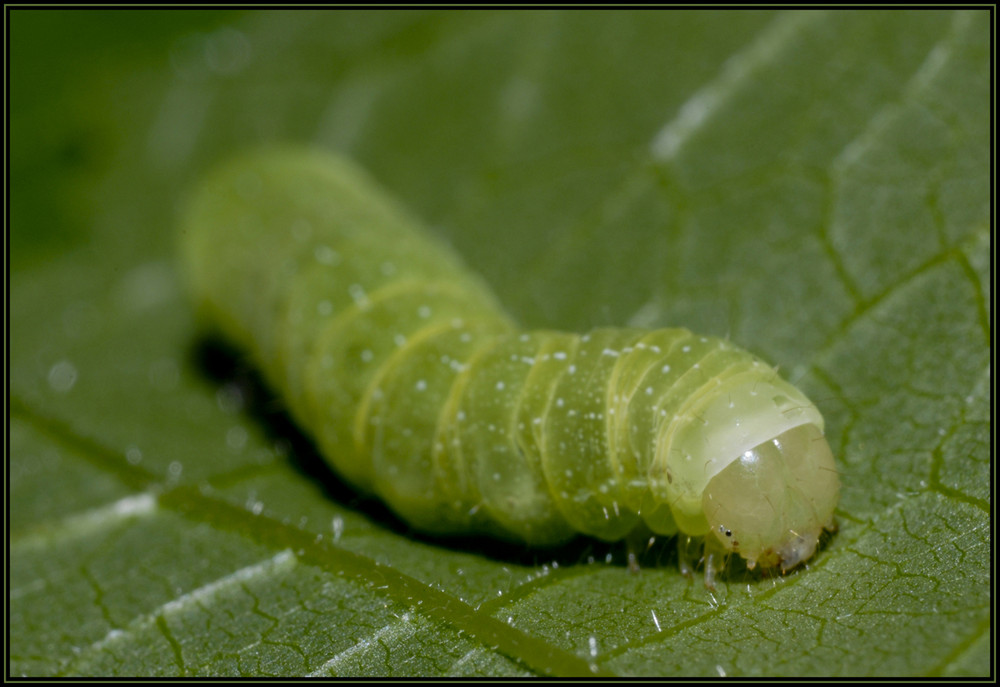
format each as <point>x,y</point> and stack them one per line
<point>771,504</point>
<point>747,466</point>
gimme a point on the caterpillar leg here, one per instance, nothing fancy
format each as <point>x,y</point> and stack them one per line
<point>705,551</point>
<point>715,557</point>
<point>637,543</point>
<point>688,551</point>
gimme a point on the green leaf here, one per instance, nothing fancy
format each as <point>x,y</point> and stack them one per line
<point>814,185</point>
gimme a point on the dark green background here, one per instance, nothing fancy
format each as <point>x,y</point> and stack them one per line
<point>813,185</point>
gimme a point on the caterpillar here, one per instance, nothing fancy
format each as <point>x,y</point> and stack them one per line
<point>419,388</point>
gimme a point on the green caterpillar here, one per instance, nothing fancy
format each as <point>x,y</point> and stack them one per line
<point>417,386</point>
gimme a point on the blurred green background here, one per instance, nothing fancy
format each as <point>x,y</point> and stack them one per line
<point>814,185</point>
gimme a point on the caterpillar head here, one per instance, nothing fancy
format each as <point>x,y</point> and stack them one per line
<point>750,469</point>
<point>771,504</point>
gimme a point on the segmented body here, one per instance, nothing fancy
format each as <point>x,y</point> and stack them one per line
<point>417,386</point>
